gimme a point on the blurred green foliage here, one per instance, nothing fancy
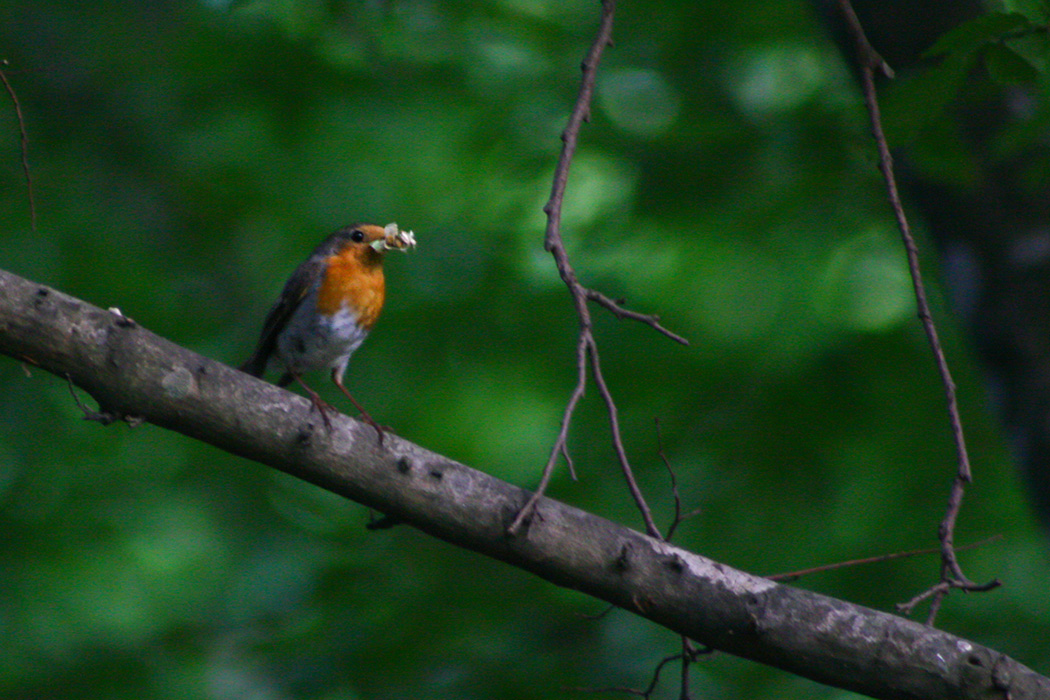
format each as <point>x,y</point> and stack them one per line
<point>185,157</point>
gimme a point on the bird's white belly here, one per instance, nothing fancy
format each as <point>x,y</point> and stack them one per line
<point>314,341</point>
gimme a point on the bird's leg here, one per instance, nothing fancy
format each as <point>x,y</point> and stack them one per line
<point>338,380</point>
<point>320,404</point>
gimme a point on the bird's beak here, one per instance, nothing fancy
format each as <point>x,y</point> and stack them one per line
<point>394,238</point>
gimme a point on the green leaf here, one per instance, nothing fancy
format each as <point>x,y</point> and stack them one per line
<point>1036,10</point>
<point>913,102</point>
<point>1006,67</point>
<point>971,36</point>
<point>1033,47</point>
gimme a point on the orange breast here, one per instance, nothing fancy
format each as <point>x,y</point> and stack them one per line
<point>350,283</point>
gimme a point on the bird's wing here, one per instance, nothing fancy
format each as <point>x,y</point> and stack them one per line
<point>295,289</point>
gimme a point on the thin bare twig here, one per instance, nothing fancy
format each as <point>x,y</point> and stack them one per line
<point>24,138</point>
<point>586,347</point>
<point>561,442</point>
<point>952,575</point>
<point>568,461</point>
<point>678,517</point>
<point>598,615</point>
<point>620,312</point>
<point>938,592</point>
<point>103,417</point>
<point>626,690</point>
<point>689,654</point>
<point>794,575</point>
<point>621,452</point>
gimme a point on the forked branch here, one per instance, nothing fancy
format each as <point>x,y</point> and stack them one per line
<point>587,354</point>
<point>952,576</point>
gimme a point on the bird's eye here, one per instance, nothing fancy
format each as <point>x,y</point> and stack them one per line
<point>357,235</point>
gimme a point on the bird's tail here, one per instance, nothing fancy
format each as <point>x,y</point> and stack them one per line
<point>256,364</point>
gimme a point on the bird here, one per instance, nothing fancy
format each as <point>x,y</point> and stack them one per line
<point>326,310</point>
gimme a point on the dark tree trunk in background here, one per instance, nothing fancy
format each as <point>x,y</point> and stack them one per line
<point>991,229</point>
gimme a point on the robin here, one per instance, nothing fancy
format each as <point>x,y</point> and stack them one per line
<point>327,308</point>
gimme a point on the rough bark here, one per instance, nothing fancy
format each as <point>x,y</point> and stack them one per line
<point>134,373</point>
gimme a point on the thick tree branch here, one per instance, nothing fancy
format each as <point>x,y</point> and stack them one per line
<point>132,372</point>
